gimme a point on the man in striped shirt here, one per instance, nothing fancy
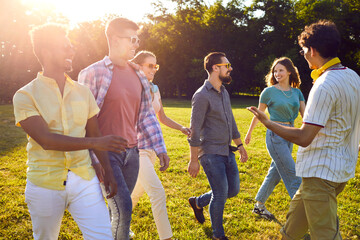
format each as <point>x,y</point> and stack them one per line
<point>329,136</point>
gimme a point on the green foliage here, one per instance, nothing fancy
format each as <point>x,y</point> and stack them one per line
<point>239,222</point>
<point>251,36</point>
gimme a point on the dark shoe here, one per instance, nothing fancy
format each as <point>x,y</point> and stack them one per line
<point>220,238</point>
<point>199,215</point>
<point>261,210</point>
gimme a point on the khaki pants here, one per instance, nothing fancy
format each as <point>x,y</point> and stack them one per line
<point>314,208</point>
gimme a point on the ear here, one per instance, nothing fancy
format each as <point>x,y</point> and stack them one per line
<point>215,68</point>
<point>313,52</point>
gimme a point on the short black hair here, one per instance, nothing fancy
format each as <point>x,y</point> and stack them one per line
<point>211,59</point>
<point>322,36</point>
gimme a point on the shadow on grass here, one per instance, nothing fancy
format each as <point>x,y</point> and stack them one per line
<point>208,231</point>
<point>270,220</point>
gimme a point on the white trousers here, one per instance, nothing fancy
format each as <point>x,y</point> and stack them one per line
<point>82,198</point>
<point>149,181</point>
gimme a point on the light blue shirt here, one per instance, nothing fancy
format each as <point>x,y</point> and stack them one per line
<point>283,106</point>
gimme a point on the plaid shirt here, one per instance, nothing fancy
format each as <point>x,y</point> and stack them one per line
<point>98,78</point>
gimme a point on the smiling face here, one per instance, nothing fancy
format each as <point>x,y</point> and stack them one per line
<point>125,44</point>
<point>281,74</point>
<point>149,68</point>
<point>59,54</point>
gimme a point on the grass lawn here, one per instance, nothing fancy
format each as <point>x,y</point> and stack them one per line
<point>239,222</point>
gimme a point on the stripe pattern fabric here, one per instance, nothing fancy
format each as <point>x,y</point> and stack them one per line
<point>334,105</point>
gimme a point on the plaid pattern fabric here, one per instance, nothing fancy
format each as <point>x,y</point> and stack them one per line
<point>98,78</point>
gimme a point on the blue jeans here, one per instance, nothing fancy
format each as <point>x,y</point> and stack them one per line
<point>125,166</point>
<point>282,167</point>
<point>223,175</point>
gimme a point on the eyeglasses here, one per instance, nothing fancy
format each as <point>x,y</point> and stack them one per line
<point>302,52</point>
<point>133,39</point>
<point>154,66</point>
<point>227,65</point>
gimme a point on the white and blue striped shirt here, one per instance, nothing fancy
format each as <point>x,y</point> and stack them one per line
<point>334,104</point>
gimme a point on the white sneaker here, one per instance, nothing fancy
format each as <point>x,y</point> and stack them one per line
<point>261,210</point>
<point>131,234</point>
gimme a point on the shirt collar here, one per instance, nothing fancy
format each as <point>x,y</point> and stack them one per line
<point>108,63</point>
<point>43,78</point>
<point>209,86</point>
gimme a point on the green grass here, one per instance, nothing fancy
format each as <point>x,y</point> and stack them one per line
<point>239,222</point>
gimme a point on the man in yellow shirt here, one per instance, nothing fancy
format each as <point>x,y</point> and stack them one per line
<point>59,116</point>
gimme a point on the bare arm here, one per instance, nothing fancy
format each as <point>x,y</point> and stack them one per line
<point>194,165</point>
<point>302,108</point>
<point>171,123</point>
<point>301,136</point>
<point>37,128</point>
<point>241,149</point>
<point>262,107</point>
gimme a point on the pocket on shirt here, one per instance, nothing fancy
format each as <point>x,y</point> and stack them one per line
<point>80,112</point>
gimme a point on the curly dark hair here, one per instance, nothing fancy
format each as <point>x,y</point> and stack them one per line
<point>44,35</point>
<point>322,36</point>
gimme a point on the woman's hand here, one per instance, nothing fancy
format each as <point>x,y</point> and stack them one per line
<point>247,138</point>
<point>186,131</point>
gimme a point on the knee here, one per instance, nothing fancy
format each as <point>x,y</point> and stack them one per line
<point>120,205</point>
<point>233,192</point>
<point>157,195</point>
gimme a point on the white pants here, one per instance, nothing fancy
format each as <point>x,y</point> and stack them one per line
<point>149,181</point>
<point>82,198</point>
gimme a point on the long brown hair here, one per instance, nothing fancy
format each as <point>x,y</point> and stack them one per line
<point>294,78</point>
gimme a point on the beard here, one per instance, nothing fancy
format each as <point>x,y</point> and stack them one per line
<point>225,79</point>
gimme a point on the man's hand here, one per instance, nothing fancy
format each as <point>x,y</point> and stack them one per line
<point>164,161</point>
<point>243,154</point>
<point>110,183</point>
<point>259,115</point>
<point>193,168</point>
<point>111,143</point>
<point>100,172</point>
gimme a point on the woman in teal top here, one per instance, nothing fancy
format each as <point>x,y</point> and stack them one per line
<point>284,101</point>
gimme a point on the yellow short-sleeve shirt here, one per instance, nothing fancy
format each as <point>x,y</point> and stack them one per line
<point>65,114</point>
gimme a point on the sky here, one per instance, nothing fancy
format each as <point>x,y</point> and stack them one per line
<point>87,10</point>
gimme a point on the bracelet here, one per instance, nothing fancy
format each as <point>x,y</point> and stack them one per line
<point>239,145</point>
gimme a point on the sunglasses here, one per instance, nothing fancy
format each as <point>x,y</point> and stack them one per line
<point>133,39</point>
<point>154,66</point>
<point>227,65</point>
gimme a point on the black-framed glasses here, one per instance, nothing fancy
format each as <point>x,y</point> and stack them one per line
<point>302,52</point>
<point>227,65</point>
<point>154,66</point>
<point>133,39</point>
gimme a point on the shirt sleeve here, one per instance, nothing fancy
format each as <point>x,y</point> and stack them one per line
<point>319,105</point>
<point>235,131</point>
<point>199,108</point>
<point>24,106</point>
<point>265,96</point>
<point>301,96</point>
